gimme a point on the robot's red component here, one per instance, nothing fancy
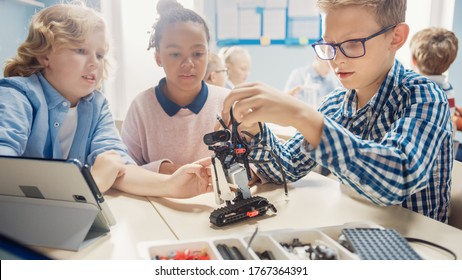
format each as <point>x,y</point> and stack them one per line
<point>253,213</point>
<point>240,150</point>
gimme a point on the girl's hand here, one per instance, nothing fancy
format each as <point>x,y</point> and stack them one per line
<point>168,167</point>
<point>191,179</point>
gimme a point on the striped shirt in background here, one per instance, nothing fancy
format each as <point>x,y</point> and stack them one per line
<point>397,149</point>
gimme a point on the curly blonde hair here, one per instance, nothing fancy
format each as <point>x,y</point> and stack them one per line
<point>387,12</point>
<point>434,49</point>
<point>61,25</point>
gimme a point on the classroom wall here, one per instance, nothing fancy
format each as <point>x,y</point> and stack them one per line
<point>14,21</point>
<point>270,64</point>
<point>455,74</point>
<point>13,16</point>
<point>273,64</point>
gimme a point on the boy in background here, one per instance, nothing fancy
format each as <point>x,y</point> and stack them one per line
<point>312,82</point>
<point>238,62</point>
<point>386,135</point>
<point>216,72</point>
<point>433,51</point>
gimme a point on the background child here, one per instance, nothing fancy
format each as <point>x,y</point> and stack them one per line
<point>312,82</point>
<point>50,108</point>
<point>216,72</point>
<point>386,134</point>
<point>433,51</point>
<point>165,125</point>
<point>238,62</point>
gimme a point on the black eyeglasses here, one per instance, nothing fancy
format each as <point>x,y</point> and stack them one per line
<point>353,48</point>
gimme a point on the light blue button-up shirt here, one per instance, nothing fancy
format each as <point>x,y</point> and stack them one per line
<point>31,115</point>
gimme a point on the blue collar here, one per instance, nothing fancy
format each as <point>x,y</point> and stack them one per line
<point>171,108</point>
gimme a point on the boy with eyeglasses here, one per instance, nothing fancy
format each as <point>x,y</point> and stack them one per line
<point>386,134</point>
<point>216,72</point>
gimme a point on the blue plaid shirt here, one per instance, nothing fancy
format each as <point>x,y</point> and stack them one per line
<point>397,149</point>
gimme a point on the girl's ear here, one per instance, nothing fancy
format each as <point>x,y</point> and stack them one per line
<point>157,57</point>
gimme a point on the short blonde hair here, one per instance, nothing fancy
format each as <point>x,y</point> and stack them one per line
<point>57,26</point>
<point>434,50</point>
<point>234,53</point>
<point>387,12</point>
<point>214,63</point>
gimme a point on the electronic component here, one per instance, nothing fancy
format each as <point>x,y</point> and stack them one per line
<point>230,166</point>
<point>379,244</point>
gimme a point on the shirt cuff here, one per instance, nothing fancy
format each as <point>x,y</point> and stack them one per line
<point>263,180</point>
<point>6,151</point>
<point>324,150</point>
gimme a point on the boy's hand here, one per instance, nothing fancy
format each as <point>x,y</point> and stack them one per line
<point>253,129</point>
<point>458,111</point>
<point>255,102</point>
<point>457,118</point>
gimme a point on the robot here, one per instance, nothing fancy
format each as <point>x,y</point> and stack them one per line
<point>230,166</point>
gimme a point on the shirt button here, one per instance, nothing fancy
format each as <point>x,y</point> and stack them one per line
<point>56,124</point>
<point>65,104</point>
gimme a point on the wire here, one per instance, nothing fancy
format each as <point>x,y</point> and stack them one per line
<point>286,190</point>
<point>221,122</point>
<point>236,138</point>
<point>267,148</point>
<point>252,237</point>
<point>418,240</point>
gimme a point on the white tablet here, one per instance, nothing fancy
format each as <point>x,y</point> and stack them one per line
<point>60,188</point>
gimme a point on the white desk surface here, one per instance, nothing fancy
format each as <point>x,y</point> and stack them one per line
<point>314,201</point>
<point>137,221</point>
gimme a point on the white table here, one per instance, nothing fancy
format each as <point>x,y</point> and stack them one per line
<point>315,201</point>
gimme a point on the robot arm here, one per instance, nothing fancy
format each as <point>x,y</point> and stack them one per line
<point>220,184</point>
<point>222,179</point>
<point>231,166</point>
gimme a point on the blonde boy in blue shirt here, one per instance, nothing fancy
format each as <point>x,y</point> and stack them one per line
<point>385,135</point>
